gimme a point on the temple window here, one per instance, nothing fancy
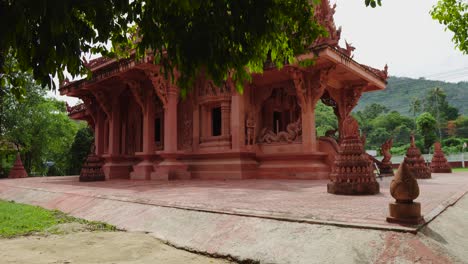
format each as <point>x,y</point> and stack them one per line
<point>157,130</point>
<point>216,121</point>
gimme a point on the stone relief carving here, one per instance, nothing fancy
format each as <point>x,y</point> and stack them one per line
<point>351,128</point>
<point>292,133</point>
<point>160,85</point>
<point>185,125</point>
<point>250,125</point>
<point>210,89</point>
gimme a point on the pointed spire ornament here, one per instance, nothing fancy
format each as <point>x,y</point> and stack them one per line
<point>405,189</point>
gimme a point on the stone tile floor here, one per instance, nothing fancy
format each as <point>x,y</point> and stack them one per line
<point>290,200</point>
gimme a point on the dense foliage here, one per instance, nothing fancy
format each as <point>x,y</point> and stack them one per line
<point>80,149</point>
<point>431,118</point>
<point>40,128</point>
<point>401,92</point>
<point>453,14</point>
<point>213,36</point>
<point>426,125</point>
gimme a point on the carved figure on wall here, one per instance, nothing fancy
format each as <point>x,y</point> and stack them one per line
<point>351,128</point>
<point>250,128</point>
<point>187,132</point>
<point>292,133</point>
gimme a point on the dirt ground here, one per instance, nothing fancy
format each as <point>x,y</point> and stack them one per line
<point>95,247</point>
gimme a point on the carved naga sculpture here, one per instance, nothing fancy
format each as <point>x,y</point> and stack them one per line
<point>385,149</point>
<point>292,132</point>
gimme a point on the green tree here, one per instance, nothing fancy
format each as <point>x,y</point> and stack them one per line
<point>213,36</point>
<point>40,127</point>
<point>436,104</point>
<point>415,106</point>
<point>80,149</point>
<point>453,14</point>
<point>325,119</point>
<point>389,125</point>
<point>427,126</point>
<point>367,115</point>
<point>462,126</point>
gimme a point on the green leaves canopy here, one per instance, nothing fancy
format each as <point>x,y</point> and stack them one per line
<point>453,14</point>
<point>214,36</point>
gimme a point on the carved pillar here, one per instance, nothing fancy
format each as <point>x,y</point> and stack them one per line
<point>148,125</point>
<point>237,122</point>
<point>196,127</point>
<point>170,122</point>
<point>114,132</point>
<point>309,88</point>
<point>143,170</point>
<point>226,118</point>
<point>170,168</point>
<point>99,133</point>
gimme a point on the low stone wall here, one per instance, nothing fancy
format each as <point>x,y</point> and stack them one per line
<point>453,164</point>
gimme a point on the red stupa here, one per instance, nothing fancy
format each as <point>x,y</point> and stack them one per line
<point>416,162</point>
<point>92,168</point>
<point>439,163</point>
<point>18,170</point>
<point>352,171</point>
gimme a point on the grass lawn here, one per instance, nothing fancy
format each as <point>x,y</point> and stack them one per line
<point>21,219</point>
<point>460,170</point>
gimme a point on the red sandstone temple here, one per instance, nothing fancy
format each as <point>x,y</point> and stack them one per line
<point>145,130</point>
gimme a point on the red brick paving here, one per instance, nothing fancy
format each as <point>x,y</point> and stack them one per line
<point>287,199</point>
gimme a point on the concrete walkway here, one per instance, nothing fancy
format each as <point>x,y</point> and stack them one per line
<point>246,219</point>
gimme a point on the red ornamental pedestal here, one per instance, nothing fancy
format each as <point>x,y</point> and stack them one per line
<point>92,169</point>
<point>439,163</point>
<point>352,172</point>
<point>18,170</point>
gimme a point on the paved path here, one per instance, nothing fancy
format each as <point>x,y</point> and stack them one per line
<point>301,201</point>
<point>155,207</point>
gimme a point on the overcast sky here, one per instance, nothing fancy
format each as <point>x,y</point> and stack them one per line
<point>402,34</point>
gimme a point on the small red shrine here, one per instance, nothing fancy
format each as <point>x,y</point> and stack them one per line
<point>144,129</point>
<point>18,170</point>
<point>439,163</point>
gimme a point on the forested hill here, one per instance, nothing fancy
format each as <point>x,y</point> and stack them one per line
<point>401,90</point>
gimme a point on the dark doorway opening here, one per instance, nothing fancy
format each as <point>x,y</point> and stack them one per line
<point>157,130</point>
<point>216,121</point>
<point>277,121</point>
